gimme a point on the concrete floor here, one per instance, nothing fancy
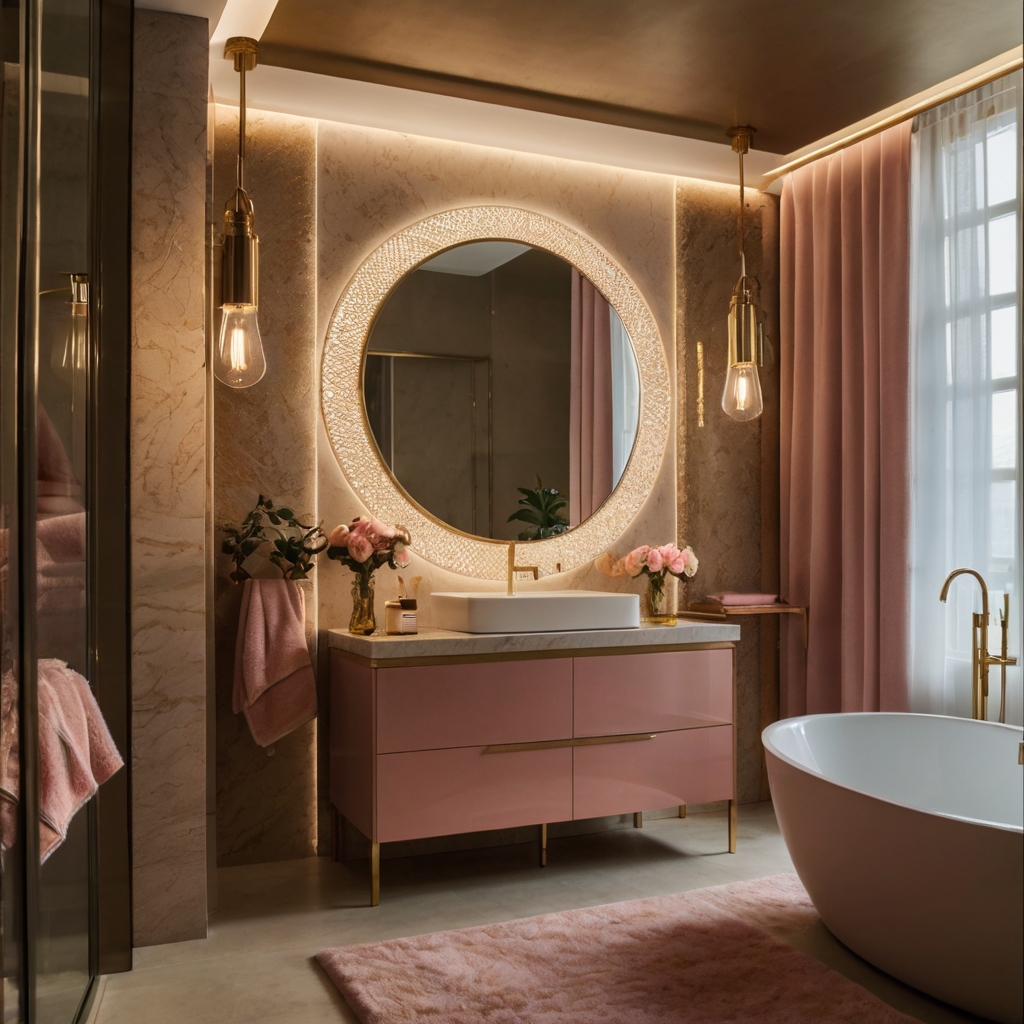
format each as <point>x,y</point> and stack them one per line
<point>256,967</point>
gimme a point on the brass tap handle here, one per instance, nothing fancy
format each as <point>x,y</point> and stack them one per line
<point>1004,659</point>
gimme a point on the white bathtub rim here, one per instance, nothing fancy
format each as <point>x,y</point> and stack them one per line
<point>771,748</point>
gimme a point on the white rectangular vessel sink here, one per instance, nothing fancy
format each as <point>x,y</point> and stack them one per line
<point>554,611</point>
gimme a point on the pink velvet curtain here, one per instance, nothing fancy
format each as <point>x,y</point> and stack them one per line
<point>845,281</point>
<point>590,401</point>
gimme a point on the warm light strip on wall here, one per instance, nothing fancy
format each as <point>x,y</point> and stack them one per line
<point>241,18</point>
<point>981,75</point>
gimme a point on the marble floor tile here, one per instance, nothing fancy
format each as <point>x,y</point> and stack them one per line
<point>257,965</point>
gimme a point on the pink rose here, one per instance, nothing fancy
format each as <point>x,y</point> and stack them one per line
<point>382,532</point>
<point>360,547</point>
<point>654,560</point>
<point>677,563</point>
<point>401,557</point>
<point>636,560</point>
<point>338,537</point>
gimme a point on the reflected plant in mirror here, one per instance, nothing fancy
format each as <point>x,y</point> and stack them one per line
<point>496,363</point>
<point>542,509</point>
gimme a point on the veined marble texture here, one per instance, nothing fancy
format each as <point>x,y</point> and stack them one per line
<point>728,471</point>
<point>168,494</point>
<point>443,643</point>
<point>265,443</point>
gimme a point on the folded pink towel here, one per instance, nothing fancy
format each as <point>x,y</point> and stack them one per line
<point>60,539</point>
<point>274,684</point>
<point>730,598</point>
<point>76,751</point>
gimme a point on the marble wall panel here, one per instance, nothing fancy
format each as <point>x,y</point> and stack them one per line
<point>728,471</point>
<point>168,492</point>
<point>264,443</point>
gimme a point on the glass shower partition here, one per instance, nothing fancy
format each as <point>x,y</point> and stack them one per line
<point>63,364</point>
<point>50,167</point>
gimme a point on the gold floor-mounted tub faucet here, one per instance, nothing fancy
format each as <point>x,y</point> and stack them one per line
<point>981,660</point>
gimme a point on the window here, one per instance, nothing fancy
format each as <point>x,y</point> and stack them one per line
<point>966,389</point>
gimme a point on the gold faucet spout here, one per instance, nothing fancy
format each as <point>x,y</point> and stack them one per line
<point>969,572</point>
<point>513,569</point>
<point>981,659</point>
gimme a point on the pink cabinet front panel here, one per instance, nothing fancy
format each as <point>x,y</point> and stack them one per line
<point>432,706</point>
<point>440,792</point>
<point>687,767</point>
<point>651,692</point>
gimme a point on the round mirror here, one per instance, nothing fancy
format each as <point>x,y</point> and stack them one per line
<point>502,391</point>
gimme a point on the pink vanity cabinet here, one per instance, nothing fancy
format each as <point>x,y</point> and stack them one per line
<point>435,745</point>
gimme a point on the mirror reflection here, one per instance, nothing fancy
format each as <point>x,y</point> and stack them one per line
<point>502,391</point>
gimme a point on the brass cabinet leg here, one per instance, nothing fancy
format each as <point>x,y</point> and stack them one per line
<point>732,826</point>
<point>682,810</point>
<point>543,846</point>
<point>375,874</point>
<point>638,819</point>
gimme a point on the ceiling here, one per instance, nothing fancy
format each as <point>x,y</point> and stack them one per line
<point>797,70</point>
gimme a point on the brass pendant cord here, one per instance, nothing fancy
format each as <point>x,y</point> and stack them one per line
<point>240,168</point>
<point>743,255</point>
<point>741,136</point>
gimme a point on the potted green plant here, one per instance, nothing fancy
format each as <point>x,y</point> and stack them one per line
<point>285,540</point>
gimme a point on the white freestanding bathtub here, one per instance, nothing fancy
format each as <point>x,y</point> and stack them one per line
<point>906,831</point>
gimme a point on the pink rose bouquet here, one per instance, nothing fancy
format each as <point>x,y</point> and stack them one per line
<point>364,546</point>
<point>656,563</point>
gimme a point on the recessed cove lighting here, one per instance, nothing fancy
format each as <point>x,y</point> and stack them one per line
<point>241,18</point>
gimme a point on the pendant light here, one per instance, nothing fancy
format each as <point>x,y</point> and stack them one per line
<point>741,398</point>
<point>239,360</point>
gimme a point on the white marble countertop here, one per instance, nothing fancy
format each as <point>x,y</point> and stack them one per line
<point>440,643</point>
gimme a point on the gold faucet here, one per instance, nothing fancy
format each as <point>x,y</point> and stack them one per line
<point>513,569</point>
<point>981,660</point>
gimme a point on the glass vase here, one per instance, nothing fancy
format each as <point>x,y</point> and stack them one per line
<point>657,602</point>
<point>363,621</point>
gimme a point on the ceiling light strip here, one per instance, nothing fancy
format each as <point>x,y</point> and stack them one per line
<point>919,104</point>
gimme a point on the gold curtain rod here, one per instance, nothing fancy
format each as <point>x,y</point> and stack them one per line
<point>933,100</point>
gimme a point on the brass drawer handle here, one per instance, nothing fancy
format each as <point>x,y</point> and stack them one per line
<point>584,741</point>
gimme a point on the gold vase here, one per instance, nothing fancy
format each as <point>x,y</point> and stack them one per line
<point>657,602</point>
<point>363,621</point>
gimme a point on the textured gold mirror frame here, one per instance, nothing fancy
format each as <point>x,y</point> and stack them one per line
<point>345,414</point>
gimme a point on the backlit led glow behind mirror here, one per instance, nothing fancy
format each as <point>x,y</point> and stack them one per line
<point>347,417</point>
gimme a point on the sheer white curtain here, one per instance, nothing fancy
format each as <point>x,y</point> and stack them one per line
<point>625,397</point>
<point>966,377</point>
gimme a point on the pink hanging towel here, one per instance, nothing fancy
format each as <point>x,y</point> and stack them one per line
<point>274,683</point>
<point>76,751</point>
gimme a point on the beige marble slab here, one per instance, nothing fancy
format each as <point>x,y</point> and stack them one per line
<point>442,643</point>
<point>168,476</point>
<point>264,443</point>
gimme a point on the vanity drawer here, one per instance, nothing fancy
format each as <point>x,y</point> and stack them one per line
<point>432,706</point>
<point>651,692</point>
<point>691,766</point>
<point>441,792</point>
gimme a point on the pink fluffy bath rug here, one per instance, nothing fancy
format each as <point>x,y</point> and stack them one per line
<point>699,957</point>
